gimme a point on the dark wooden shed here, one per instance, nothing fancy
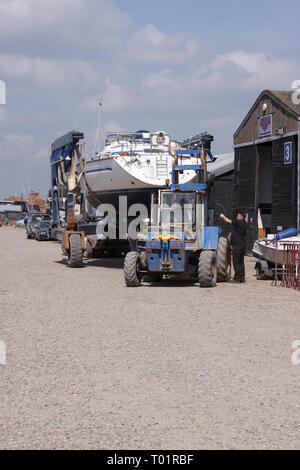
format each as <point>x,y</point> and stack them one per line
<point>223,168</point>
<point>266,163</point>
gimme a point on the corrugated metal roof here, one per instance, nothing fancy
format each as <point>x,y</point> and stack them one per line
<point>223,164</point>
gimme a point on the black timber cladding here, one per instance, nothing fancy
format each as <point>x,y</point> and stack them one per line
<point>249,149</point>
<point>244,186</point>
<point>223,194</point>
<point>284,186</point>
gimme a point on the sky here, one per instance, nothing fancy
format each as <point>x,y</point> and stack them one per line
<point>181,66</point>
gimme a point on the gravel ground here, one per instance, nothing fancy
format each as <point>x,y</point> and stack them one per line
<point>93,364</point>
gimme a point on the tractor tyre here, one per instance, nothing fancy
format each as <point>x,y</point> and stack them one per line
<point>223,260</point>
<point>89,250</point>
<point>132,275</point>
<point>207,269</point>
<point>75,251</point>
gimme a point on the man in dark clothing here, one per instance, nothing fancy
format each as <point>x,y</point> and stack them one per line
<point>238,241</point>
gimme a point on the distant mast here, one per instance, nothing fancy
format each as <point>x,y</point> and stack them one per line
<point>97,148</point>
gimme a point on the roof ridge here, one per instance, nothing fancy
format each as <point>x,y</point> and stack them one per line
<point>284,96</point>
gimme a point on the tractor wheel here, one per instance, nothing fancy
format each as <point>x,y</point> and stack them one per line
<point>224,260</point>
<point>207,269</point>
<point>89,250</point>
<point>75,251</point>
<point>133,277</point>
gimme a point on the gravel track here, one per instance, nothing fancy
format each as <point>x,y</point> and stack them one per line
<point>93,364</point>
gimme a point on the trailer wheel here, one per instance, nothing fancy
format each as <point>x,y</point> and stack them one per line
<point>133,277</point>
<point>207,269</point>
<point>260,274</point>
<point>263,271</point>
<point>75,251</point>
<point>223,260</point>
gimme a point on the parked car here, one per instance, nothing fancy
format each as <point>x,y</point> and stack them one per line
<point>0,222</point>
<point>43,230</point>
<point>33,223</point>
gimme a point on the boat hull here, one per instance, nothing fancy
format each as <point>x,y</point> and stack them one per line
<point>269,251</point>
<point>106,179</point>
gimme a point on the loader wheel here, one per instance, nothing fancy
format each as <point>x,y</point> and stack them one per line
<point>75,251</point>
<point>133,277</point>
<point>207,269</point>
<point>224,260</point>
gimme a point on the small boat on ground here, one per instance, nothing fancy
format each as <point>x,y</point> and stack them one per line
<point>270,251</point>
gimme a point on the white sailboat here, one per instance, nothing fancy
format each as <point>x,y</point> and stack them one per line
<point>133,164</point>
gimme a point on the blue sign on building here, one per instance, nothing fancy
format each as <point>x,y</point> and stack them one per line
<point>288,153</point>
<point>265,125</point>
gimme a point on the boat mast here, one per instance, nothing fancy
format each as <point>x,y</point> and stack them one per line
<point>98,133</point>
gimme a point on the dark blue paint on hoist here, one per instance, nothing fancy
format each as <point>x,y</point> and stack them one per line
<point>62,154</point>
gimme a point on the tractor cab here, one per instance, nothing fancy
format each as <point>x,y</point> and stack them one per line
<point>179,213</point>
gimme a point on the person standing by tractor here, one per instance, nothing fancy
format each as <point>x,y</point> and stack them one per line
<point>238,241</point>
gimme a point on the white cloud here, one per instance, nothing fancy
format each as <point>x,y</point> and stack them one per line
<point>115,98</point>
<point>151,45</point>
<point>42,154</point>
<point>23,147</point>
<point>263,70</point>
<point>46,72</point>
<point>5,119</point>
<point>238,70</point>
<point>14,146</point>
<point>68,26</point>
<point>113,126</point>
